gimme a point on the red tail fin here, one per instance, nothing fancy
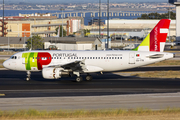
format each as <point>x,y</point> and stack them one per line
<point>158,35</point>
<point>155,40</point>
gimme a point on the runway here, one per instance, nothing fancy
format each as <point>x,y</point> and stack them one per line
<point>110,90</point>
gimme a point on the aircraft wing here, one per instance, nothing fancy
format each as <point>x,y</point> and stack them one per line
<point>75,66</point>
<point>79,66</point>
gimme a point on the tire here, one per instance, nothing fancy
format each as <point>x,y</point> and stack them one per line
<point>79,79</point>
<point>88,77</point>
<point>27,79</point>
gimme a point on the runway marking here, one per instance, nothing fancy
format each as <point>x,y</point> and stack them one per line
<point>2,94</point>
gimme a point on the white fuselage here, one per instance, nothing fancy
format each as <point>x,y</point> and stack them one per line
<point>100,60</point>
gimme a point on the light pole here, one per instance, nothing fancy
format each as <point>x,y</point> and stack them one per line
<point>8,30</point>
<point>3,20</point>
<point>31,43</point>
<point>107,24</point>
<point>92,23</point>
<point>62,19</point>
<point>8,39</point>
<point>24,37</point>
<point>169,9</point>
<point>99,18</point>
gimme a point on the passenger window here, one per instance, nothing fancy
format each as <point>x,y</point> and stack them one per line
<point>15,57</point>
<point>52,57</point>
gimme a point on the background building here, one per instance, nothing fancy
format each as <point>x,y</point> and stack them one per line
<point>27,25</point>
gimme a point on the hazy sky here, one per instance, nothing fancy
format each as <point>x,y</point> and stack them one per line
<point>82,1</point>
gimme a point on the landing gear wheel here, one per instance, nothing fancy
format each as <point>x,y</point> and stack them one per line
<point>28,75</point>
<point>79,79</point>
<point>88,77</point>
<point>27,79</point>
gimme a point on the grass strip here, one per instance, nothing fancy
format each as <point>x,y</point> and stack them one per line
<point>1,61</point>
<point>166,62</point>
<point>1,66</point>
<point>7,53</point>
<point>159,74</point>
<point>32,113</point>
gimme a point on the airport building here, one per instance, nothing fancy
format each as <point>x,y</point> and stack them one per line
<point>26,25</point>
<point>129,27</point>
<point>65,43</point>
<point>73,43</point>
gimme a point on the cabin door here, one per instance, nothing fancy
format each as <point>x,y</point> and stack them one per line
<point>131,58</point>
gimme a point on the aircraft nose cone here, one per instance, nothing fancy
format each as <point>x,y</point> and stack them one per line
<point>5,64</point>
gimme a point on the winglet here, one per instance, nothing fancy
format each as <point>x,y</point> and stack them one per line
<point>155,40</point>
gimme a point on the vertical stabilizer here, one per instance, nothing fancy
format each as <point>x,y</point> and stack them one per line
<point>155,40</point>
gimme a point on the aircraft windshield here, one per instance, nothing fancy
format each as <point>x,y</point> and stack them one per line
<point>13,57</point>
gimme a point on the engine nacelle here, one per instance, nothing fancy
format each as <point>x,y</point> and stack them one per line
<point>53,73</point>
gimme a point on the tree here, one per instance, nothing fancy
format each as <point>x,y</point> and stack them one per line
<point>60,31</point>
<point>86,32</point>
<point>37,42</point>
<point>158,16</point>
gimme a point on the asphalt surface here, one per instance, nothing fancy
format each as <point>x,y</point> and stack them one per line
<point>13,84</point>
<point>110,90</point>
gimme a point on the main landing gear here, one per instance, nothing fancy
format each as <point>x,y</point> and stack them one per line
<point>80,79</point>
<point>28,76</point>
<point>88,77</point>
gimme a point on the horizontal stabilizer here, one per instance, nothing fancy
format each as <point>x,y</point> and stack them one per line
<point>156,56</point>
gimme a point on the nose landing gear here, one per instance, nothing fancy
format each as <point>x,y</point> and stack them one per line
<point>28,76</point>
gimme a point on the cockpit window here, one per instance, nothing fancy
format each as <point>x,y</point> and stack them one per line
<point>14,57</point>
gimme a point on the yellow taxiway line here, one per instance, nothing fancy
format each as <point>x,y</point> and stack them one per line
<point>2,94</point>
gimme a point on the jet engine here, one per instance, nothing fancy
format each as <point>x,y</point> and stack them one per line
<point>53,73</point>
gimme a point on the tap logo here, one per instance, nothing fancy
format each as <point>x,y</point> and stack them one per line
<point>36,60</point>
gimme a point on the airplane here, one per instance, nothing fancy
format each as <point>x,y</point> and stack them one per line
<point>56,64</point>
